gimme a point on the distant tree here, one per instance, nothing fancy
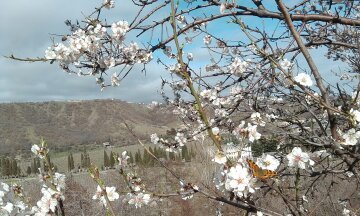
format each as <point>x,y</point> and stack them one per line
<point>7,167</point>
<point>164,154</point>
<point>178,158</point>
<point>34,166</point>
<point>14,167</point>
<point>72,161</point>
<point>18,171</point>
<point>192,153</point>
<point>112,159</point>
<point>69,163</point>
<point>146,158</point>
<point>185,154</point>
<point>82,161</point>
<point>85,160</point>
<point>156,152</point>
<point>172,156</point>
<point>138,159</point>
<point>131,159</point>
<point>1,166</point>
<point>88,161</point>
<point>151,160</point>
<point>106,160</point>
<point>28,170</point>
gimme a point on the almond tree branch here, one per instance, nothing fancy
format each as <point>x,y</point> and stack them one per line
<point>312,66</point>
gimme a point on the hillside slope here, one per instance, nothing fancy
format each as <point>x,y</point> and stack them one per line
<point>65,124</point>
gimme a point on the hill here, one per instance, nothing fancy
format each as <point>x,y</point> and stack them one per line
<point>75,123</point>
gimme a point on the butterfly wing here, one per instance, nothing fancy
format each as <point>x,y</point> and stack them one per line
<point>259,173</point>
<point>269,174</point>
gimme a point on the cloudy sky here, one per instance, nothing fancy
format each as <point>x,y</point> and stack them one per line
<point>26,28</point>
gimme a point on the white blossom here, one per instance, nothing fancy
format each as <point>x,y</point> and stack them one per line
<point>181,19</point>
<point>59,181</point>
<point>21,205</point>
<point>238,67</point>
<point>139,199</point>
<point>119,29</point>
<point>47,202</point>
<point>110,193</point>
<point>109,4</point>
<point>298,158</point>
<point>259,213</point>
<point>107,62</point>
<point>8,207</point>
<point>207,40</point>
<point>190,56</point>
<point>2,194</point>
<point>209,94</point>
<point>100,30</point>
<point>154,138</point>
<point>219,158</point>
<point>221,112</point>
<point>355,114</point>
<point>38,151</point>
<point>215,130</point>
<point>349,174</point>
<point>268,162</point>
<point>286,64</point>
<point>252,132</point>
<point>181,139</point>
<point>304,79</point>
<point>123,159</point>
<point>50,53</point>
<point>222,7</point>
<point>115,81</point>
<point>351,137</point>
<point>5,186</point>
<point>256,119</point>
<point>236,90</point>
<point>346,212</point>
<point>240,181</point>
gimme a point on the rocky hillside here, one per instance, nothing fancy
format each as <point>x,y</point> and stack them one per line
<point>65,124</point>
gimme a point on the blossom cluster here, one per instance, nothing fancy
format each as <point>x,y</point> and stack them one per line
<point>243,179</point>
<point>8,204</point>
<point>52,190</point>
<point>97,47</point>
<point>110,192</point>
<point>175,144</point>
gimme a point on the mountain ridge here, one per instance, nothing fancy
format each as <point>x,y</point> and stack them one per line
<point>67,123</point>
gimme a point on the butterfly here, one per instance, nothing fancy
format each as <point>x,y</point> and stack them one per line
<point>259,173</point>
